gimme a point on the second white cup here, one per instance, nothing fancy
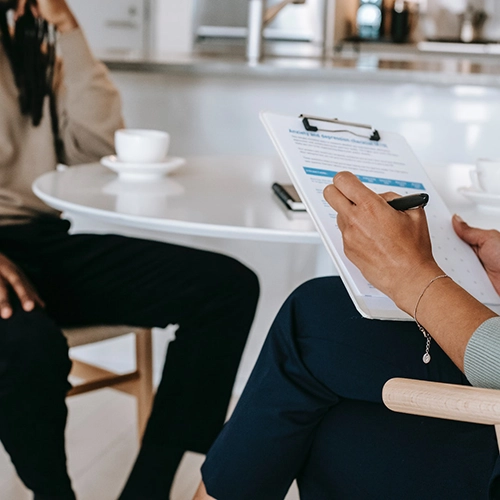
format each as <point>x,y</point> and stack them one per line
<point>141,146</point>
<point>486,176</point>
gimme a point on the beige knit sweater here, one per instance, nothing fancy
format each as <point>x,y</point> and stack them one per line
<point>89,111</point>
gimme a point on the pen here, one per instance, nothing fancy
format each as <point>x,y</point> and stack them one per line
<point>410,201</point>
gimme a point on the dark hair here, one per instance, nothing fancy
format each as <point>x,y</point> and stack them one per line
<point>31,50</point>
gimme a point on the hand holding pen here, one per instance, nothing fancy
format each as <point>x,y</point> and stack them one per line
<point>387,241</point>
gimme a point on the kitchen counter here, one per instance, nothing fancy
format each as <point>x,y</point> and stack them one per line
<point>447,106</point>
<point>403,64</point>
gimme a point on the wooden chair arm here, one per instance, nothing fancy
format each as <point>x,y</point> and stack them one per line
<point>448,401</point>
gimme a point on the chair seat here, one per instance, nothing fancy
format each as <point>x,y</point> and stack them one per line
<point>90,334</point>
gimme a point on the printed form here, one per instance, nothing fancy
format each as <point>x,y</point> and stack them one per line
<point>312,159</point>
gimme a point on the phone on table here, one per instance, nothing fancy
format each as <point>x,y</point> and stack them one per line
<point>289,196</point>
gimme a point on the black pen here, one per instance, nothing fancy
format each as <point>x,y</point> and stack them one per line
<point>410,201</point>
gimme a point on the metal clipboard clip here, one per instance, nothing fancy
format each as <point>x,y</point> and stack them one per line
<point>372,136</point>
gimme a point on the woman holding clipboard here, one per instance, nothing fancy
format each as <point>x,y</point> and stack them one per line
<point>312,409</point>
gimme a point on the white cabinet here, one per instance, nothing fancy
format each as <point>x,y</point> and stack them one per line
<point>122,25</point>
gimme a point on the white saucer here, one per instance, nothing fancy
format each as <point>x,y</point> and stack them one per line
<point>483,200</point>
<point>142,171</point>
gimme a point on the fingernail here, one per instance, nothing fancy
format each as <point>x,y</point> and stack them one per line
<point>458,218</point>
<point>5,313</point>
<point>29,305</point>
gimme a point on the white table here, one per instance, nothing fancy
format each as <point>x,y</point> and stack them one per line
<point>226,197</point>
<point>224,204</point>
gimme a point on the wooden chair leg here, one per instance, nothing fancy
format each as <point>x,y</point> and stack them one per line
<point>144,365</point>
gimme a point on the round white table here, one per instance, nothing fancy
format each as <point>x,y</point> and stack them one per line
<point>223,204</point>
<point>226,197</point>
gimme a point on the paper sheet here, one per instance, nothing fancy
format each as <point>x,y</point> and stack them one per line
<point>313,158</point>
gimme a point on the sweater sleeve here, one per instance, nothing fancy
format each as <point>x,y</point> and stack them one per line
<point>482,355</point>
<point>89,105</point>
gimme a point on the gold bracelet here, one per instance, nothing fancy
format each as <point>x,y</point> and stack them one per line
<point>426,357</point>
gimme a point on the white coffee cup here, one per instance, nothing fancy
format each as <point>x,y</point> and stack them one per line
<point>486,176</point>
<point>141,146</point>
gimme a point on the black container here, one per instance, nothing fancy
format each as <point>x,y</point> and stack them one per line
<point>400,25</point>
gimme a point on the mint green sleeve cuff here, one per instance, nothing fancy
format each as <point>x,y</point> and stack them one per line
<point>482,355</point>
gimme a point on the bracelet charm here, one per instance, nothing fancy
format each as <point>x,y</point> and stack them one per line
<point>426,358</point>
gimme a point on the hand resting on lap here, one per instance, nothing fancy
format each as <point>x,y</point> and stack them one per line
<point>12,277</point>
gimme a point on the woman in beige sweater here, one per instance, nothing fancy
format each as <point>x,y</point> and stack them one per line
<point>50,114</point>
<point>88,111</point>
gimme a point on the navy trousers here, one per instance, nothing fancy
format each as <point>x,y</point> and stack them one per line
<point>89,279</point>
<point>312,410</point>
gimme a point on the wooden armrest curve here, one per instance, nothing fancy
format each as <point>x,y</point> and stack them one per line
<point>448,401</point>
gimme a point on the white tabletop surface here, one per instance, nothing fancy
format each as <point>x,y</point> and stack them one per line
<point>226,196</point>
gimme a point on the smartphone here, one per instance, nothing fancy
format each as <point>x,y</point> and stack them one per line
<point>288,195</point>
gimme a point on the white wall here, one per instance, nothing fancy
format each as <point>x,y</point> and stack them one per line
<point>220,114</point>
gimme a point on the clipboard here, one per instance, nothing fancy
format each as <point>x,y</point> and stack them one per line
<point>314,150</point>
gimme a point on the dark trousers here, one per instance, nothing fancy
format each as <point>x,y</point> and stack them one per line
<point>89,279</point>
<point>313,410</point>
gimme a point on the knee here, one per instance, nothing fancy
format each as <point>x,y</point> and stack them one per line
<point>313,307</point>
<point>246,281</point>
<point>317,287</point>
<point>311,297</point>
<point>34,349</point>
<point>325,296</point>
<point>238,281</point>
